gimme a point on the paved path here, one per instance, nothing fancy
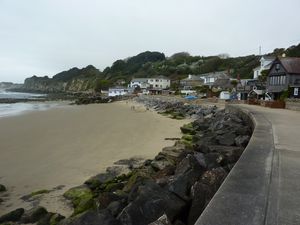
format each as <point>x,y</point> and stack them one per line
<point>284,203</point>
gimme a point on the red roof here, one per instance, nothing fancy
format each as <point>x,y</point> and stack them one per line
<point>291,64</point>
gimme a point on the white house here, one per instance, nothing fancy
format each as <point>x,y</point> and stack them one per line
<point>224,95</point>
<point>141,82</point>
<point>265,64</point>
<point>159,82</point>
<point>117,91</point>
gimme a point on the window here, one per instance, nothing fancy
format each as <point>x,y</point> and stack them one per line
<point>157,80</point>
<point>296,90</point>
<point>282,80</point>
<point>277,67</point>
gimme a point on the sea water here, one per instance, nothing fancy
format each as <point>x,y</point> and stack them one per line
<point>19,95</point>
<point>13,109</point>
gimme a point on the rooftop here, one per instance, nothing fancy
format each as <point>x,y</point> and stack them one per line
<point>291,64</point>
<point>219,74</point>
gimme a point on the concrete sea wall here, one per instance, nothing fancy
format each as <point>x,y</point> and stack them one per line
<point>246,195</point>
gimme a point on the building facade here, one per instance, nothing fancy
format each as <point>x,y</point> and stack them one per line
<point>191,82</point>
<point>159,82</point>
<point>139,82</point>
<point>265,64</point>
<point>118,91</point>
<point>284,74</point>
<point>210,78</point>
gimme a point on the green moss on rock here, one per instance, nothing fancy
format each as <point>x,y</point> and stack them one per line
<point>188,129</point>
<point>85,204</point>
<point>137,176</point>
<point>55,219</point>
<point>39,192</point>
<point>81,198</point>
<point>188,137</point>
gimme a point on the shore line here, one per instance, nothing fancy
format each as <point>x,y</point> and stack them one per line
<point>198,158</point>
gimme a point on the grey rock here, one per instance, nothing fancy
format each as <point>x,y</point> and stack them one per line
<point>163,220</point>
<point>50,219</point>
<point>202,192</point>
<point>2,188</point>
<point>33,215</point>
<point>115,207</point>
<point>96,181</point>
<point>91,218</point>
<point>187,173</point>
<point>227,139</point>
<point>242,140</point>
<point>151,203</point>
<point>104,199</point>
<point>13,216</point>
<point>160,164</point>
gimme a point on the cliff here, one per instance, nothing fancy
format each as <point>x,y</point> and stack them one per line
<point>9,85</point>
<point>73,80</point>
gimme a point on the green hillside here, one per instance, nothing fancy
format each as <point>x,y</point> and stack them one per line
<point>149,64</point>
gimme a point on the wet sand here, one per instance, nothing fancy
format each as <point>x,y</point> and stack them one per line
<point>67,145</point>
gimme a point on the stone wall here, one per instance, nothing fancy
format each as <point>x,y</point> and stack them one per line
<point>292,104</point>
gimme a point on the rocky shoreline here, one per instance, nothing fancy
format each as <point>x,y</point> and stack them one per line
<point>172,188</point>
<point>75,98</point>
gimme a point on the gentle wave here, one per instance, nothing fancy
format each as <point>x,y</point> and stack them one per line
<point>19,95</point>
<point>21,108</point>
<point>14,109</point>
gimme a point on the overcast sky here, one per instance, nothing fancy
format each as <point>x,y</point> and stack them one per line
<point>44,37</point>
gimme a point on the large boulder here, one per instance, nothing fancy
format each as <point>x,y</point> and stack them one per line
<point>34,215</point>
<point>188,129</point>
<point>14,215</point>
<point>207,139</point>
<point>188,171</point>
<point>161,163</point>
<point>2,188</point>
<point>227,139</point>
<point>163,220</point>
<point>229,154</point>
<point>101,178</point>
<point>116,207</point>
<point>174,152</point>
<point>213,160</point>
<point>50,219</point>
<point>242,140</point>
<point>91,218</point>
<point>202,192</point>
<point>151,203</point>
<point>81,198</point>
<point>104,199</point>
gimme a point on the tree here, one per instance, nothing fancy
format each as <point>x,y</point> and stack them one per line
<point>234,83</point>
<point>264,75</point>
<point>102,85</point>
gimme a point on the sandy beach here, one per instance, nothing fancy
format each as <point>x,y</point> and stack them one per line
<point>67,145</point>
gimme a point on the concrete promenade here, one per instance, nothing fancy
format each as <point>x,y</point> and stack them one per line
<point>264,186</point>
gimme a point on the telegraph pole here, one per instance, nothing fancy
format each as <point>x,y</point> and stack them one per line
<point>259,50</point>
